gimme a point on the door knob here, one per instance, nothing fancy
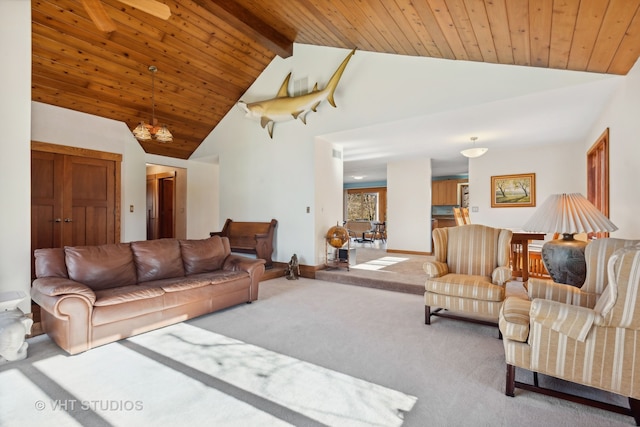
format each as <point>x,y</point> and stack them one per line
<point>68,220</point>
<point>57,220</point>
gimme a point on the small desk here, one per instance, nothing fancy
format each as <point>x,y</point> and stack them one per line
<point>520,246</point>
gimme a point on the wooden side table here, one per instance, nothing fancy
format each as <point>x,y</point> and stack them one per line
<point>520,252</point>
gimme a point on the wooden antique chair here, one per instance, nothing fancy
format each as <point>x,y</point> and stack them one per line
<point>587,336</point>
<point>469,273</point>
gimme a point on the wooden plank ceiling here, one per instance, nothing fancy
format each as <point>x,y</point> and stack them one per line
<point>208,53</point>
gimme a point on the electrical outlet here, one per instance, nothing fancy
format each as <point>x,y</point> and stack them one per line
<point>474,209</point>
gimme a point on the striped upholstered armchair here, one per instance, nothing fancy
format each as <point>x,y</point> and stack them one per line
<point>594,346</point>
<point>469,273</point>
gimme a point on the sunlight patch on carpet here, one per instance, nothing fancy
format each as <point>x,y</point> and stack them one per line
<point>126,388</point>
<point>24,404</point>
<point>380,263</point>
<point>324,395</point>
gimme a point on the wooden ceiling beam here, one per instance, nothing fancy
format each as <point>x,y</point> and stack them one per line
<point>248,23</point>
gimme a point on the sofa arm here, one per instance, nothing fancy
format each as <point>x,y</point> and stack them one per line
<point>242,263</point>
<point>57,286</point>
<point>435,269</point>
<point>570,320</point>
<point>501,275</point>
<point>255,268</point>
<point>550,290</point>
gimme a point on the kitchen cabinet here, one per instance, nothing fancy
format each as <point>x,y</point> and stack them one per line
<point>445,192</point>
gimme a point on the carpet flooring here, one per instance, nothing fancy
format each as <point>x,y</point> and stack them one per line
<point>452,373</point>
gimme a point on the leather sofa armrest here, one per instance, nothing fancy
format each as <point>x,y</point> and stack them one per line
<point>237,263</point>
<point>255,268</point>
<point>550,290</point>
<point>57,286</point>
<point>573,321</point>
<point>435,268</point>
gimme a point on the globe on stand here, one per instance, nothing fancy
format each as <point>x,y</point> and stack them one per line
<point>337,236</point>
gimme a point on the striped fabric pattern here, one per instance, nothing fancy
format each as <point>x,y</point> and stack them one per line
<point>465,286</point>
<point>477,260</point>
<point>609,356</point>
<point>514,319</point>
<point>596,255</point>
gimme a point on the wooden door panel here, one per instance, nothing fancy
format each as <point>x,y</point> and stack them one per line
<point>92,200</point>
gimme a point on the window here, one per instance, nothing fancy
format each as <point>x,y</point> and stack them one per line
<point>366,204</point>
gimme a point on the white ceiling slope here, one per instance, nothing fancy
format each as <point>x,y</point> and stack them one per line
<point>556,116</point>
<point>392,107</point>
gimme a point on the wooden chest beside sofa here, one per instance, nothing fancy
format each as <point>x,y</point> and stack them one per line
<point>93,295</point>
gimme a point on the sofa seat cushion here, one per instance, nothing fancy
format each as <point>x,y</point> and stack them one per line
<point>157,259</point>
<point>114,305</point>
<point>101,267</point>
<point>514,319</point>
<point>202,256</point>
<point>126,294</point>
<point>465,286</point>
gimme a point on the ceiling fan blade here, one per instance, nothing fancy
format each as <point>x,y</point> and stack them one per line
<point>98,15</point>
<point>152,7</point>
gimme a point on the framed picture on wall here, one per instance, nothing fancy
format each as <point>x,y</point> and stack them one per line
<point>513,191</point>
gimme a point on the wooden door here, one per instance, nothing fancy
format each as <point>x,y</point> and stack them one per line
<point>74,198</point>
<point>89,208</point>
<point>166,204</point>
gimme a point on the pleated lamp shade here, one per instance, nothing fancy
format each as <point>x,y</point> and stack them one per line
<point>568,214</point>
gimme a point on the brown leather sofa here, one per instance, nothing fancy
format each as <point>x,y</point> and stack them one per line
<point>93,295</point>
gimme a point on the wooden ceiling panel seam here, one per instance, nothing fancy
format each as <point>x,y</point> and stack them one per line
<point>498,16</point>
<point>540,18</point>
<point>347,36</point>
<point>323,33</point>
<point>462,23</point>
<point>386,17</point>
<point>588,24</point>
<point>482,28</point>
<point>615,24</point>
<point>425,12</point>
<point>360,21</point>
<point>629,50</point>
<point>427,44</point>
<point>520,34</point>
<point>563,25</point>
<point>445,22</point>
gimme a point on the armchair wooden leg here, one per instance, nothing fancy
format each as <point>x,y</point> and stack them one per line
<point>634,406</point>
<point>511,381</point>
<point>427,315</point>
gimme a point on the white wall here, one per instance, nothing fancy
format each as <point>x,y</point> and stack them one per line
<point>558,169</point>
<point>15,118</point>
<point>622,119</point>
<point>409,205</point>
<point>328,193</point>
<point>202,193</point>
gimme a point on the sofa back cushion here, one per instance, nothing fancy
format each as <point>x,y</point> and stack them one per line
<point>157,259</point>
<point>50,263</point>
<point>101,267</point>
<point>203,256</point>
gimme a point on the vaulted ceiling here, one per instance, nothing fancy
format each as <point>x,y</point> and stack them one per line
<point>208,53</point>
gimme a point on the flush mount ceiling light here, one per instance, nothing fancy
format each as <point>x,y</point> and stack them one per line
<point>147,132</point>
<point>474,151</point>
<point>357,177</point>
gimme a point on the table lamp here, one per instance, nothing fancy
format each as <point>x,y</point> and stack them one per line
<point>567,214</point>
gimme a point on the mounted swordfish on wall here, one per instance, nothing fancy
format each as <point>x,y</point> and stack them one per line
<point>284,107</point>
